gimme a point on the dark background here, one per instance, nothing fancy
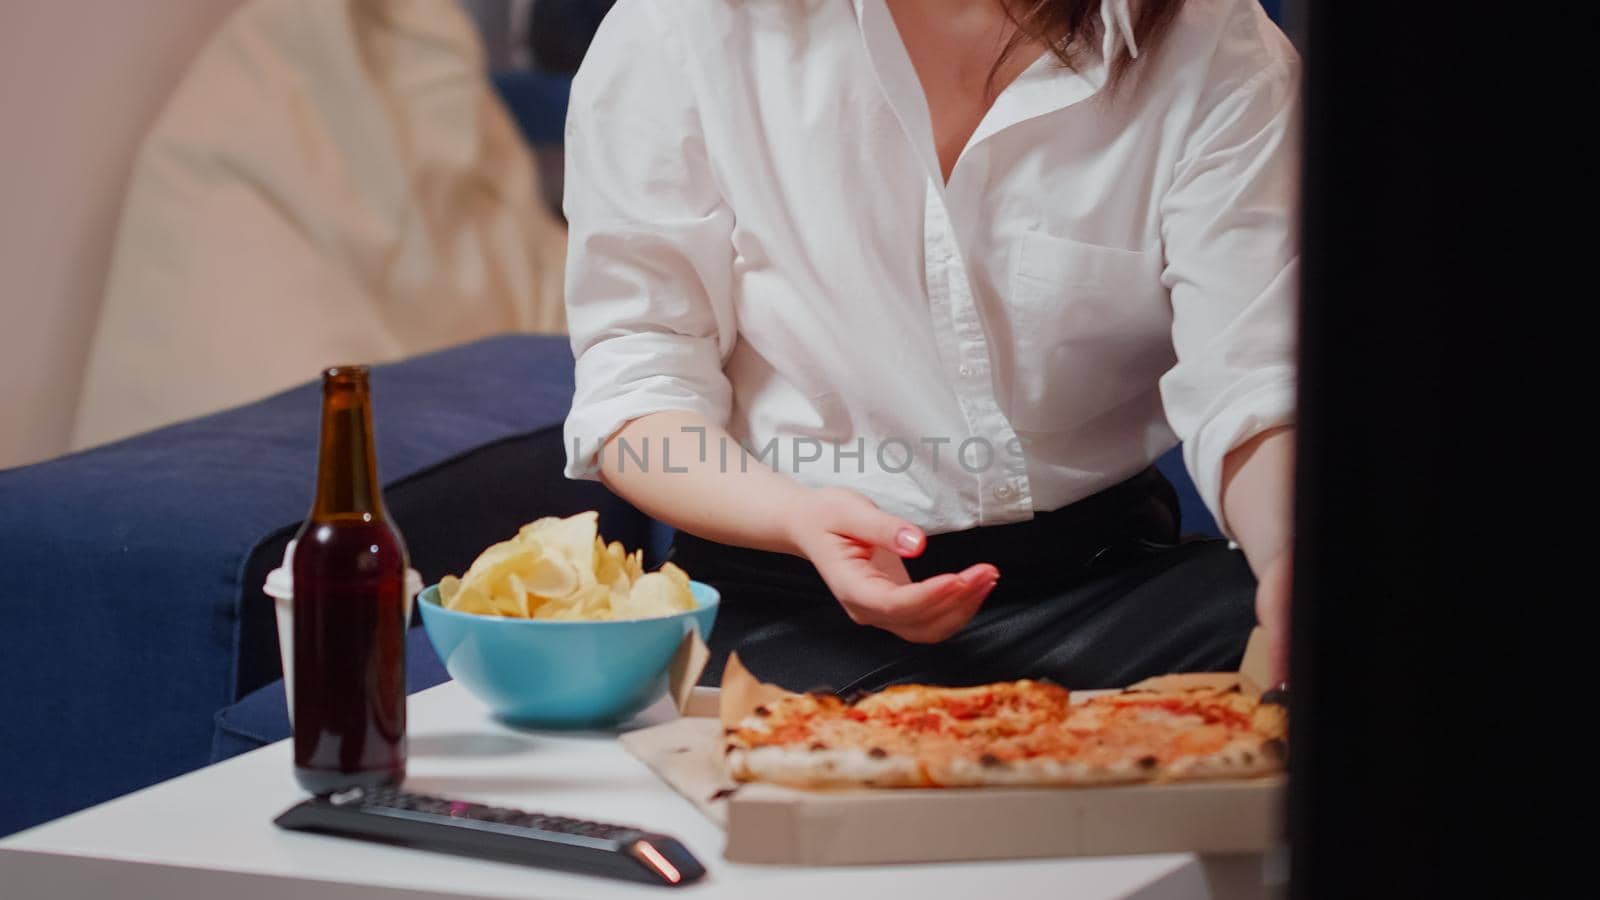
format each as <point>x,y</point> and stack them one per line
<point>1443,433</point>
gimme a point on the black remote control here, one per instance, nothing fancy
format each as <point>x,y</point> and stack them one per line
<point>393,816</point>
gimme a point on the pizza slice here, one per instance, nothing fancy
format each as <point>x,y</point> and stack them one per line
<point>1010,733</point>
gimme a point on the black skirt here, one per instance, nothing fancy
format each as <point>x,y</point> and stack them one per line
<point>1100,593</point>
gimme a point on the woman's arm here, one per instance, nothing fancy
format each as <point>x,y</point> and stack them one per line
<point>683,469</point>
<point>697,478</point>
<point>1257,495</point>
<point>1232,269</point>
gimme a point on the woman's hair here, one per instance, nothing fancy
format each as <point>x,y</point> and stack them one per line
<point>1072,28</point>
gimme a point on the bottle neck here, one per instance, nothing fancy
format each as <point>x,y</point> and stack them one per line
<point>347,464</point>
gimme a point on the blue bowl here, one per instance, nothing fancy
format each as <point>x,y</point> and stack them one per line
<point>559,674</point>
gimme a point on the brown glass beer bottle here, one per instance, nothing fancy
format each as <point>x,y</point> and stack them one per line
<point>349,608</point>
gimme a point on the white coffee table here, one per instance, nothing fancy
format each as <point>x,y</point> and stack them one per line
<point>209,834</point>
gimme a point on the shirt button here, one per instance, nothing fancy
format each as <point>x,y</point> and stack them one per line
<point>965,372</point>
<point>1004,491</point>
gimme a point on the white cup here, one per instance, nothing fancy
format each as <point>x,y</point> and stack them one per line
<point>280,587</point>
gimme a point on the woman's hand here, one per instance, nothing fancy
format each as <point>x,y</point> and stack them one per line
<point>858,548</point>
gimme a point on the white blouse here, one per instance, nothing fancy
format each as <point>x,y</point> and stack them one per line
<point>760,232</point>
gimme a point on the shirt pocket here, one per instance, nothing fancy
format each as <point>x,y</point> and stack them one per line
<point>1091,330</point>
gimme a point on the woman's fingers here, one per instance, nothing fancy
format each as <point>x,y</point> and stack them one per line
<point>979,582</point>
<point>899,601</point>
<point>951,619</point>
<point>859,549</point>
<point>956,617</point>
<point>968,583</point>
<point>927,610</point>
<point>869,524</point>
<point>871,598</point>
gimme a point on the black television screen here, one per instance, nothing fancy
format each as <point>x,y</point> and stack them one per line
<point>1420,457</point>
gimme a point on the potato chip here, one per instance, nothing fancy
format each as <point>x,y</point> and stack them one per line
<point>509,602</point>
<point>654,594</point>
<point>472,600</point>
<point>520,596</point>
<point>572,538</point>
<point>592,602</point>
<point>449,586</point>
<point>496,555</point>
<point>610,565</point>
<point>550,577</point>
<point>562,569</point>
<point>491,578</point>
<point>554,607</point>
<point>678,576</point>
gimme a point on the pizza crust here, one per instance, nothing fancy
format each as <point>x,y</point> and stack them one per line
<point>802,768</point>
<point>1035,771</point>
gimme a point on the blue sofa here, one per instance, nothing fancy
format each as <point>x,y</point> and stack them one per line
<point>131,607</point>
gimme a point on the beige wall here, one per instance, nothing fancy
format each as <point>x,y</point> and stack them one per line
<point>79,83</point>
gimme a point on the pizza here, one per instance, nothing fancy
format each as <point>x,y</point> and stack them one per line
<point>1010,733</point>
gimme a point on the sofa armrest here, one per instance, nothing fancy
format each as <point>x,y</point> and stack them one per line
<point>130,601</point>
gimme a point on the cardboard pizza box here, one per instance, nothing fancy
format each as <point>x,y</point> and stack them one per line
<point>1235,820</point>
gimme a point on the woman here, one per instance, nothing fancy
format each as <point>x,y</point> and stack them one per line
<point>889,306</point>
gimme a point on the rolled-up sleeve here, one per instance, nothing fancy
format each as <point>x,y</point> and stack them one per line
<point>1228,228</point>
<point>650,254</point>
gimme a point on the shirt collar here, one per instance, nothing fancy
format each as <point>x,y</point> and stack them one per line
<point>1042,88</point>
<point>1116,20</point>
<point>1116,31</point>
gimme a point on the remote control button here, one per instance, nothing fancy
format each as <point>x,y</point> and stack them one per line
<point>341,798</point>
